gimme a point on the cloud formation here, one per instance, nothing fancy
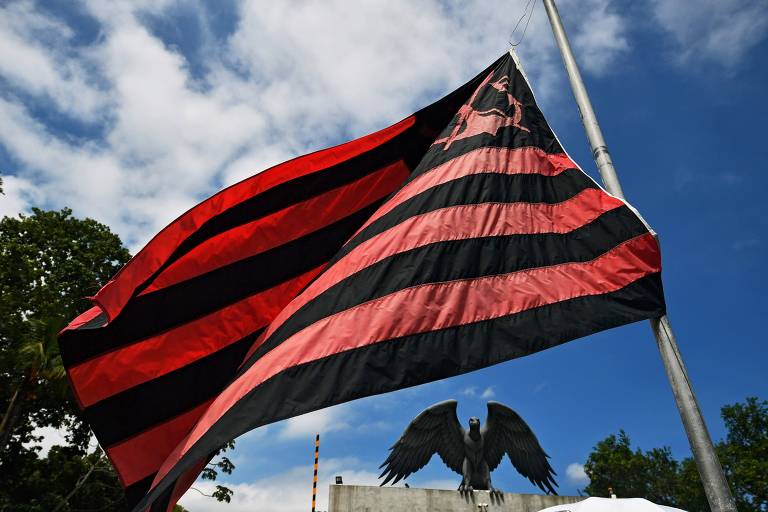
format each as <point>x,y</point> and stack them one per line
<point>288,491</point>
<point>308,425</point>
<point>132,127</point>
<point>722,31</point>
<point>576,474</point>
<point>485,394</point>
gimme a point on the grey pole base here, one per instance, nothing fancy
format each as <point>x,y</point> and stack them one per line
<point>712,476</point>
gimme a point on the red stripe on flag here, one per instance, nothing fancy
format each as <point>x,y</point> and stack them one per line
<point>435,306</point>
<point>456,223</point>
<point>184,482</point>
<point>84,318</point>
<point>115,294</point>
<point>140,456</point>
<point>528,160</point>
<point>283,226</point>
<point>126,367</point>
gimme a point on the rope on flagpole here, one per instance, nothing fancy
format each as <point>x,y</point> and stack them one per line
<point>532,4</point>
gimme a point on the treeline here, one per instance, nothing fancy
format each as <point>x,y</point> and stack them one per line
<point>50,262</point>
<point>656,476</point>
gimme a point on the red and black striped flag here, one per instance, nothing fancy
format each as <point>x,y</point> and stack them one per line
<point>458,238</point>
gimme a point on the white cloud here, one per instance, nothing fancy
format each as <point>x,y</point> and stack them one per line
<point>289,491</point>
<point>374,426</point>
<point>19,195</point>
<point>33,58</point>
<point>576,474</point>
<point>50,437</point>
<point>488,393</point>
<point>472,391</point>
<point>601,38</point>
<point>88,178</point>
<point>308,425</point>
<point>288,80</point>
<point>713,30</point>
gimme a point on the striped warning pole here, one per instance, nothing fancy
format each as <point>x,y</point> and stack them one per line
<point>314,479</point>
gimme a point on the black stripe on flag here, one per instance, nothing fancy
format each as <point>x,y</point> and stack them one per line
<point>141,407</point>
<point>178,304</point>
<point>476,189</point>
<point>460,259</point>
<point>411,360</point>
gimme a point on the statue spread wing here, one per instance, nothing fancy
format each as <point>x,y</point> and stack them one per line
<point>506,432</point>
<point>435,430</point>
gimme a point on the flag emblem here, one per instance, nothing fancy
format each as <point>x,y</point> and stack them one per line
<point>470,122</point>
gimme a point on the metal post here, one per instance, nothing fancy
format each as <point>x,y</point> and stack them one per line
<point>712,476</point>
<point>314,478</point>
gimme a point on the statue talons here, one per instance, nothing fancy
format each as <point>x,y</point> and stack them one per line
<point>465,489</point>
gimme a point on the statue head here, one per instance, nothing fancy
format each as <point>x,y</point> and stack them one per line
<point>474,423</point>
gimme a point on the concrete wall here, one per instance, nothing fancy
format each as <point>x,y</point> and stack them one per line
<point>359,498</point>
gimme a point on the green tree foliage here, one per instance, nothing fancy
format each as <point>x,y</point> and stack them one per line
<point>630,473</point>
<point>211,472</point>
<point>50,262</point>
<point>744,453</point>
<point>658,477</point>
<point>66,480</point>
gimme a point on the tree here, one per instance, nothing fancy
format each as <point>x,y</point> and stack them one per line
<point>50,262</point>
<point>66,480</point>
<point>39,357</point>
<point>744,453</point>
<point>656,476</point>
<point>211,472</point>
<point>613,464</point>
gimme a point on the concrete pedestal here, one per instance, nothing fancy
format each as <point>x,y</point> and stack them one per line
<point>359,498</point>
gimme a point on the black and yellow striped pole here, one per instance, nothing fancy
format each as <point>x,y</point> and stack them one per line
<point>314,478</point>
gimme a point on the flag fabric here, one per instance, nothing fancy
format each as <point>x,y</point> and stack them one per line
<point>169,331</point>
<point>458,238</point>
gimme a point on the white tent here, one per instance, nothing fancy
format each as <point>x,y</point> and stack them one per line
<point>612,505</point>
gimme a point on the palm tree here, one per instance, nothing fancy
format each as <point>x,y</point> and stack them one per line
<point>41,362</point>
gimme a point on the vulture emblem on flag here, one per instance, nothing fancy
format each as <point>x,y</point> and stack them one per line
<point>470,122</point>
<point>472,453</point>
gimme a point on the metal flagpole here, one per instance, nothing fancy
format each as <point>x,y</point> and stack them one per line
<point>712,476</point>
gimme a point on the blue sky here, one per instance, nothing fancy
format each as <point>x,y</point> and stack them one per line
<point>132,112</point>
